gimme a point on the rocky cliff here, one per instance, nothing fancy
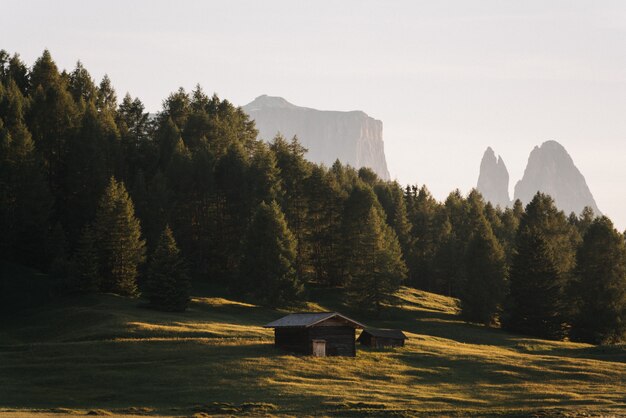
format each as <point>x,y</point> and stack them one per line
<point>551,170</point>
<point>352,137</point>
<point>493,180</point>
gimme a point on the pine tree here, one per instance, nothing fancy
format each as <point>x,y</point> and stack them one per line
<point>134,130</point>
<point>456,228</point>
<point>509,221</point>
<point>211,121</point>
<point>229,125</point>
<point>205,209</point>
<point>356,209</point>
<point>554,260</point>
<point>378,269</point>
<point>25,202</point>
<point>371,255</point>
<point>167,140</point>
<point>177,108</point>
<point>263,176</point>
<point>85,274</point>
<point>325,201</point>
<point>493,216</point>
<point>121,250</point>
<point>430,230</point>
<point>57,252</point>
<point>368,176</point>
<point>4,65</point>
<point>81,85</point>
<point>199,126</point>
<point>600,286</point>
<point>13,106</point>
<point>542,216</point>
<point>52,118</point>
<point>90,162</point>
<point>106,99</point>
<point>151,205</point>
<point>584,221</point>
<point>535,302</point>
<point>44,72</point>
<point>392,200</point>
<point>179,181</point>
<point>267,270</point>
<point>294,170</point>
<point>167,282</point>
<point>13,69</point>
<point>485,285</point>
<point>231,180</point>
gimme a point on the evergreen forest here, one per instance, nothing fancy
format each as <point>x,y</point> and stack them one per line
<point>103,196</point>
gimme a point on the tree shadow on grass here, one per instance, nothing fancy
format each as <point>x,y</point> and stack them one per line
<point>613,353</point>
<point>104,317</point>
<point>163,377</point>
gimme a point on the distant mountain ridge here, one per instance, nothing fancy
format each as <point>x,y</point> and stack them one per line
<point>550,170</point>
<point>352,137</point>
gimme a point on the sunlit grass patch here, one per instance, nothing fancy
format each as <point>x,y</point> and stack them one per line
<point>221,302</point>
<point>418,300</point>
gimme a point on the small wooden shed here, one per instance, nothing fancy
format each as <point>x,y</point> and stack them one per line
<point>380,338</point>
<point>316,333</point>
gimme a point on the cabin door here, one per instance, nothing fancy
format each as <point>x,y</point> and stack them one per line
<point>319,348</point>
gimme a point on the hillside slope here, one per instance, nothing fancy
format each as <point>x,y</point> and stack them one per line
<point>106,355</point>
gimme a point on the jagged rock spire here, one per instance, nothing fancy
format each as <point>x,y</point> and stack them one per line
<point>552,171</point>
<point>493,180</point>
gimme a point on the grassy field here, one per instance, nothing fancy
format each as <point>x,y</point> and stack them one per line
<point>106,355</point>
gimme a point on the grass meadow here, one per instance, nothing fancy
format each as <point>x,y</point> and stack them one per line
<point>106,355</point>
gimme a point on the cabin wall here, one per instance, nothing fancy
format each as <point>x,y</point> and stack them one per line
<point>381,342</point>
<point>339,340</point>
<point>292,339</point>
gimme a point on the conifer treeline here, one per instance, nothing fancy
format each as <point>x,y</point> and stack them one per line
<point>104,197</point>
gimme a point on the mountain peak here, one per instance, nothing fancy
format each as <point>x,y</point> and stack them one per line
<point>265,101</point>
<point>553,145</point>
<point>551,170</point>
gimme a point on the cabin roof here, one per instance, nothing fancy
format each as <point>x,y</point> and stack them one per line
<point>385,333</point>
<point>309,319</point>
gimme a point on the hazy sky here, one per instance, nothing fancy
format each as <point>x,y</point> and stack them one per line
<point>447,78</point>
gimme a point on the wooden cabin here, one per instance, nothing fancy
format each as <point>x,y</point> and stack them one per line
<point>318,333</point>
<point>380,338</point>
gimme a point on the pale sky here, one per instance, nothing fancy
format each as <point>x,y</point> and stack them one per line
<point>447,78</point>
